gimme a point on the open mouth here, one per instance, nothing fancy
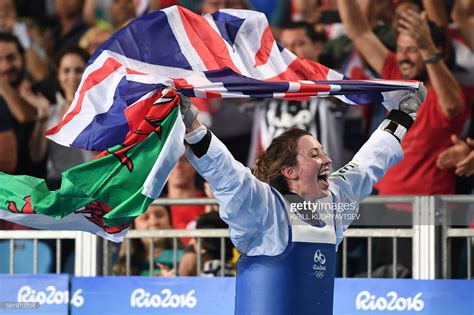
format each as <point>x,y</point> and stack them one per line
<point>406,66</point>
<point>324,176</point>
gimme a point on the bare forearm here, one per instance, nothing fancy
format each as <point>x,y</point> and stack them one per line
<point>436,11</point>
<point>358,29</point>
<point>37,67</point>
<point>446,87</point>
<point>38,143</point>
<point>353,18</point>
<point>88,12</point>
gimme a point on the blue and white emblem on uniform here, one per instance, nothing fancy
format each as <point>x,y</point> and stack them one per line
<point>319,266</point>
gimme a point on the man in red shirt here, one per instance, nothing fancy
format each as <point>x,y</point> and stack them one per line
<point>418,57</point>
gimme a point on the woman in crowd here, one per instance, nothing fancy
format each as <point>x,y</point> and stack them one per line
<point>157,217</point>
<point>70,66</point>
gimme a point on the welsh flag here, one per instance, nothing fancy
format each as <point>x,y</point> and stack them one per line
<point>106,194</point>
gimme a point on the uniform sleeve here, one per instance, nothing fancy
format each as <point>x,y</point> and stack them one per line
<point>354,182</point>
<point>255,212</point>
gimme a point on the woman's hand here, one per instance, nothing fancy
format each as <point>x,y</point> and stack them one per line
<point>165,271</point>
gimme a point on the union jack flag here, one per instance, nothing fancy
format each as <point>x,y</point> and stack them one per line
<point>227,54</point>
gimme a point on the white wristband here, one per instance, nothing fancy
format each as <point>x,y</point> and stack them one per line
<point>196,135</point>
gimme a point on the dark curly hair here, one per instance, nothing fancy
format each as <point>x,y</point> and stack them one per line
<point>281,153</point>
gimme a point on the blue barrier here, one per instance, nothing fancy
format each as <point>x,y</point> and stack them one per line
<point>58,294</point>
<point>40,294</point>
<point>403,296</point>
<point>148,295</point>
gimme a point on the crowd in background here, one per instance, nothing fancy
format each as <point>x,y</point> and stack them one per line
<point>45,45</point>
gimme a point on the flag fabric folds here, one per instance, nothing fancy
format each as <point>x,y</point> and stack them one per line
<point>103,196</point>
<point>126,104</point>
<point>227,54</point>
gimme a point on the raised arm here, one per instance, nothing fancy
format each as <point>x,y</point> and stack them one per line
<point>442,80</point>
<point>359,31</point>
<point>437,12</point>
<point>355,181</point>
<point>357,178</point>
<point>463,15</point>
<point>38,142</point>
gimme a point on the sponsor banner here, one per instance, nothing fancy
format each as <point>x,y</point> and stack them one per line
<point>402,296</point>
<point>50,294</point>
<point>148,295</point>
<point>40,294</point>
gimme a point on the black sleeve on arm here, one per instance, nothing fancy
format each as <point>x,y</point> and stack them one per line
<point>200,148</point>
<point>397,123</point>
<point>401,118</point>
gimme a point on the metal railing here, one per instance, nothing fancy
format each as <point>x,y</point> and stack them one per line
<point>430,234</point>
<point>394,234</point>
<point>464,205</point>
<point>222,234</point>
<point>85,262</point>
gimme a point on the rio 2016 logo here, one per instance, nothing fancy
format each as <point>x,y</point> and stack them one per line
<point>50,296</point>
<point>392,302</point>
<point>319,257</point>
<point>319,264</point>
<point>141,298</point>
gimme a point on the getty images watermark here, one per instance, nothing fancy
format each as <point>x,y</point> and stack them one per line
<point>324,211</point>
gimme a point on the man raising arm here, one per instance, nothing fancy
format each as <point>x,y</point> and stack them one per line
<point>417,57</point>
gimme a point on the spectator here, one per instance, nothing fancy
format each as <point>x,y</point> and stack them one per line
<point>123,11</point>
<point>308,11</point>
<point>208,191</point>
<point>461,43</point>
<point>70,66</point>
<point>68,27</point>
<point>8,145</point>
<point>17,115</point>
<point>401,7</point>
<point>211,263</point>
<point>157,217</point>
<point>95,37</point>
<point>36,62</point>
<point>211,247</point>
<point>155,5</point>
<point>182,184</point>
<point>462,55</point>
<point>418,56</point>
<point>443,113</point>
<point>210,6</point>
<point>460,157</point>
<point>322,117</point>
<point>340,54</point>
<point>463,15</point>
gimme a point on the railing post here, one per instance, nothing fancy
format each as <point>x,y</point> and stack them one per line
<point>424,238</point>
<point>86,263</point>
